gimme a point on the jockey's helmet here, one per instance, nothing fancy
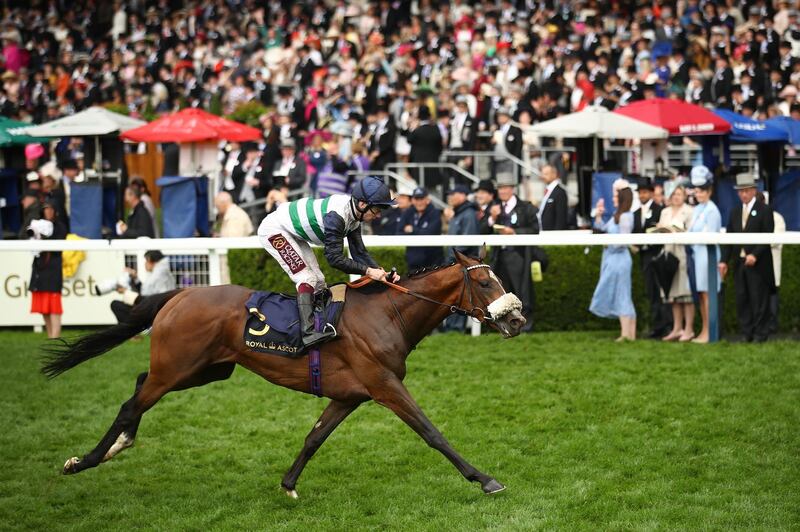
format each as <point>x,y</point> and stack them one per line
<point>373,192</point>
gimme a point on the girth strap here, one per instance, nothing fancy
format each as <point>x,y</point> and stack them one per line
<point>314,370</point>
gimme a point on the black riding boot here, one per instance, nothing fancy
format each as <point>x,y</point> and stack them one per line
<point>305,305</point>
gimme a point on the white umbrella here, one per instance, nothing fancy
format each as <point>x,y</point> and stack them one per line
<point>91,122</point>
<point>597,121</point>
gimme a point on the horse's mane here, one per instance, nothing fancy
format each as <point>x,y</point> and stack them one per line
<point>421,272</point>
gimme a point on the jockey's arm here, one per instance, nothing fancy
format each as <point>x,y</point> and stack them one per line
<point>334,247</point>
<point>358,250</point>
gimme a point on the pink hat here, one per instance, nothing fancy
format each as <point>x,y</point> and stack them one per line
<point>33,151</point>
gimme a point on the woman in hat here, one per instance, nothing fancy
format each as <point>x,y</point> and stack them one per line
<point>677,217</point>
<point>46,277</point>
<point>705,219</point>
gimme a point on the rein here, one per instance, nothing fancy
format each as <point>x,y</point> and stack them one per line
<point>476,312</point>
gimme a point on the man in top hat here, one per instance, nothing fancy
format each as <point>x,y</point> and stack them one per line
<point>460,135</point>
<point>509,215</point>
<point>289,172</point>
<point>754,274</point>
<point>484,198</point>
<point>507,140</point>
<point>462,127</point>
<point>422,219</point>
<point>722,82</point>
<point>382,142</point>
<point>644,218</point>
<point>426,147</point>
<point>247,174</point>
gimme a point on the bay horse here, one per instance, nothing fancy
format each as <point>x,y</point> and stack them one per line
<point>196,338</point>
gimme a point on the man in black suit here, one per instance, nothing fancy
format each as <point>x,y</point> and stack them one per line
<point>722,83</point>
<point>644,218</point>
<point>426,147</point>
<point>553,211</point>
<point>484,199</point>
<point>382,143</point>
<point>461,135</point>
<point>247,174</point>
<point>509,215</point>
<point>422,218</point>
<point>139,222</point>
<point>507,140</point>
<point>289,172</point>
<point>462,127</point>
<point>754,274</point>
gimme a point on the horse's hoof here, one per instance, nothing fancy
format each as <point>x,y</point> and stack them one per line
<point>492,486</point>
<point>291,493</point>
<point>70,466</point>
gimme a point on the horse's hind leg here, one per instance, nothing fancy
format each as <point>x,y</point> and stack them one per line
<point>128,435</point>
<point>131,411</point>
<point>148,391</point>
<point>333,414</point>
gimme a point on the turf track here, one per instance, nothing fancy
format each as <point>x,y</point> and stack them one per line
<point>586,434</point>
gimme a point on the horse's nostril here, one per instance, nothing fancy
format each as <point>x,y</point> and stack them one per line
<point>516,323</point>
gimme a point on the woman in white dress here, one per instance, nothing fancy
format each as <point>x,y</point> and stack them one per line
<point>676,218</point>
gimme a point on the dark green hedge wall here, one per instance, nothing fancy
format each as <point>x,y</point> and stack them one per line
<point>562,299</point>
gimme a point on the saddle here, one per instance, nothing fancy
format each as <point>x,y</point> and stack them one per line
<point>273,322</point>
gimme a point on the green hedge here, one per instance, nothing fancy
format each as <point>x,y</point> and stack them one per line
<point>562,299</point>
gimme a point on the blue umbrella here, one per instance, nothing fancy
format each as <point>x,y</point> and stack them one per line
<point>744,129</point>
<point>789,125</point>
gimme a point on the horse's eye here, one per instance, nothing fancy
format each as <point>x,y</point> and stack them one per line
<point>484,284</point>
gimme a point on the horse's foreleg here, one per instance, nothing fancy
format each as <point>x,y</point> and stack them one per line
<point>333,414</point>
<point>395,396</point>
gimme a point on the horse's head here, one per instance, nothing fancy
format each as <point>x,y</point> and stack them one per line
<point>487,298</point>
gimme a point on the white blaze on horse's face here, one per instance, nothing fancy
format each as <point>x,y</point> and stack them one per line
<point>497,280</point>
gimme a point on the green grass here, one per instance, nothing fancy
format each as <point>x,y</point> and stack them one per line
<point>586,434</point>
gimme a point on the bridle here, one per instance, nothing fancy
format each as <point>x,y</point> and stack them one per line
<point>480,314</point>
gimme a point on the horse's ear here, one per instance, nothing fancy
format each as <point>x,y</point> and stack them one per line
<point>482,253</point>
<point>460,257</point>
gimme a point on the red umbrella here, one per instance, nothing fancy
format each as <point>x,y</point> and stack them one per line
<point>192,125</point>
<point>676,116</point>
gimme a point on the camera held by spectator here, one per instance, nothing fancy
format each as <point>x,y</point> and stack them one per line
<point>40,228</point>
<point>107,286</point>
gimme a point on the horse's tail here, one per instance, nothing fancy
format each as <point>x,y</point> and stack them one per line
<point>62,355</point>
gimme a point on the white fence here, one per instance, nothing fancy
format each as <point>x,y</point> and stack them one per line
<point>197,261</point>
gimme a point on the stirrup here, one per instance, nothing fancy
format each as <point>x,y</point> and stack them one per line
<point>317,338</point>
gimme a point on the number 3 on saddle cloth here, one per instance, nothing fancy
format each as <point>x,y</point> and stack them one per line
<point>273,322</point>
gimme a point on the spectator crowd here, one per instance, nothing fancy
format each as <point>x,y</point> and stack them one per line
<point>344,88</point>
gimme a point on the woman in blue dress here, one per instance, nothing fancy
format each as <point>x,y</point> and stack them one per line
<point>705,219</point>
<point>612,296</point>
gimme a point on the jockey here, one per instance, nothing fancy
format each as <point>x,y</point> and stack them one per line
<point>287,232</point>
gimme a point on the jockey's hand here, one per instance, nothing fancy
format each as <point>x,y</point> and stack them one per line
<point>376,274</point>
<point>393,277</point>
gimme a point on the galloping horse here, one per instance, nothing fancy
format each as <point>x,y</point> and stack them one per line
<point>197,339</point>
